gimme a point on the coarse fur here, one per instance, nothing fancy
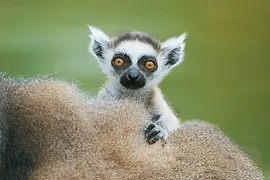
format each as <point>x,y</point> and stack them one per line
<point>66,137</point>
<point>137,48</point>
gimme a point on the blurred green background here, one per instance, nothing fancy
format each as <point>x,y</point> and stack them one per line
<point>224,79</point>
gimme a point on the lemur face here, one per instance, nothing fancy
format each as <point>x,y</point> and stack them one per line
<point>135,59</point>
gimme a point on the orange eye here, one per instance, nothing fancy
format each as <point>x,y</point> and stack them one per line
<point>150,65</point>
<point>118,62</point>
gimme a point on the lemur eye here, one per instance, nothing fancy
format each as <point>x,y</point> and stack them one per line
<point>150,65</point>
<point>118,62</point>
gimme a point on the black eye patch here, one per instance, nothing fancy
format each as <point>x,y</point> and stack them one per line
<point>126,59</point>
<point>143,60</point>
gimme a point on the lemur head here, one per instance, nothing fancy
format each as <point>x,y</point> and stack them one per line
<point>136,59</point>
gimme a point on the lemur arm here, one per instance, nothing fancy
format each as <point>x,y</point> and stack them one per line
<point>167,118</point>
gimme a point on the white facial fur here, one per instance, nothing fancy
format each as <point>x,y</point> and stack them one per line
<point>135,50</point>
<point>170,55</point>
<point>167,46</point>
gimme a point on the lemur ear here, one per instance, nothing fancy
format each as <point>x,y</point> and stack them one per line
<point>173,50</point>
<point>99,41</point>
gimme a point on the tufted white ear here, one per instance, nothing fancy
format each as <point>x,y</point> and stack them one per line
<point>173,50</point>
<point>99,42</point>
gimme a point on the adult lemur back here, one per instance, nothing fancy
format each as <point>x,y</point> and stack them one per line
<point>49,130</point>
<point>135,63</point>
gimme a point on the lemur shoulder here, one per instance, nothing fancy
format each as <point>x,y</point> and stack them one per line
<point>135,63</point>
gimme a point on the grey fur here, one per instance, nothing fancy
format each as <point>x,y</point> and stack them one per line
<point>15,161</point>
<point>140,36</point>
<point>74,138</point>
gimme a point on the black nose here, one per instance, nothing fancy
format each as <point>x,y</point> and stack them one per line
<point>133,77</point>
<point>133,74</point>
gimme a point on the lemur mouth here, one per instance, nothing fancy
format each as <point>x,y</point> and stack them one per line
<point>132,84</point>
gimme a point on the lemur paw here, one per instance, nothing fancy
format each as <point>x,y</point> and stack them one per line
<point>154,132</point>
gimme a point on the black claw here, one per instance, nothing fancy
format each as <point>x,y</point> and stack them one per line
<point>152,141</point>
<point>152,137</point>
<point>151,134</point>
<point>149,128</point>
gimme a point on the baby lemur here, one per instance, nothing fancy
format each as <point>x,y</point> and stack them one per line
<point>135,63</point>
